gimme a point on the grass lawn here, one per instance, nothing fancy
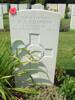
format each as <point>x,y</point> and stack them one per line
<point>66,47</point>
<point>66,50</point>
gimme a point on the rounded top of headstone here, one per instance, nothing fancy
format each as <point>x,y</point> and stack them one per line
<point>39,10</point>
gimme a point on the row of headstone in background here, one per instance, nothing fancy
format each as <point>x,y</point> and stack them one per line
<point>61,9</point>
<point>14,5</point>
<point>4,8</point>
<point>25,6</point>
<point>39,30</point>
<point>37,6</point>
<point>1,18</point>
<point>72,23</point>
<point>19,6</point>
<point>57,8</point>
<point>52,7</point>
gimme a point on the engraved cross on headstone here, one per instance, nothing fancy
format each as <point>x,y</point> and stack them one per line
<point>38,49</point>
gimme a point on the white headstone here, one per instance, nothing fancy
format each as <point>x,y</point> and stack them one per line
<point>1,17</point>
<point>5,8</point>
<point>52,7</point>
<point>61,9</point>
<point>39,30</point>
<point>48,6</point>
<point>70,6</point>
<point>14,5</point>
<point>37,6</point>
<point>22,6</point>
<point>72,23</point>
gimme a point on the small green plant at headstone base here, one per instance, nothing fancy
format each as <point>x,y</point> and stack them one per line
<point>67,88</point>
<point>59,76</point>
<point>8,63</point>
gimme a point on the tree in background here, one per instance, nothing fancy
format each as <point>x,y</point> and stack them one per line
<point>32,1</point>
<point>28,1</point>
<point>66,11</point>
<point>40,1</point>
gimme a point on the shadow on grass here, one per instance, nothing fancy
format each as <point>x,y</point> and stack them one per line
<point>70,72</point>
